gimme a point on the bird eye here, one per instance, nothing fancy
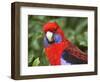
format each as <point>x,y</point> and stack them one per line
<point>55,29</point>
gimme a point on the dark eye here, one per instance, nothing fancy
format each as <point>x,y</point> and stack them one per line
<point>55,29</point>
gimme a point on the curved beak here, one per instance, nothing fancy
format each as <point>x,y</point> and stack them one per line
<point>49,36</point>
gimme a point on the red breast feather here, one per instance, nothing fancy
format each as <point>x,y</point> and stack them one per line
<point>54,52</point>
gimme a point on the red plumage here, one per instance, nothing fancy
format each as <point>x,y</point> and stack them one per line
<point>55,50</point>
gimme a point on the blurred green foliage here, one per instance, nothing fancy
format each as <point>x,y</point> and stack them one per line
<point>75,29</point>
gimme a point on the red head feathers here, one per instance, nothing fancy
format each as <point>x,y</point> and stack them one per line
<point>50,26</point>
<point>53,27</point>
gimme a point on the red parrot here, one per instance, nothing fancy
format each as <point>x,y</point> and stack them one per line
<point>59,50</point>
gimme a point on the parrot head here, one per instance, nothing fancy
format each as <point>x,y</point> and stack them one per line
<point>53,32</point>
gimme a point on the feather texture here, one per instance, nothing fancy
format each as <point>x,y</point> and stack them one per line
<point>61,51</point>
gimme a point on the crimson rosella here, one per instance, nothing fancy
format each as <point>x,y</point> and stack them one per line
<point>59,50</point>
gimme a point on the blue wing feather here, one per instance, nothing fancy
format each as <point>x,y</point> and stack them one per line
<point>63,60</point>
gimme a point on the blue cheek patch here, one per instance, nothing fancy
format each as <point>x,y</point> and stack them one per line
<point>45,42</point>
<point>57,38</point>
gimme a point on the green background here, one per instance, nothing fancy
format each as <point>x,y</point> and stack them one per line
<point>75,29</point>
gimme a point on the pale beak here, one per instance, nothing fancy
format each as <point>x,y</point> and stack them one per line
<point>49,36</point>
